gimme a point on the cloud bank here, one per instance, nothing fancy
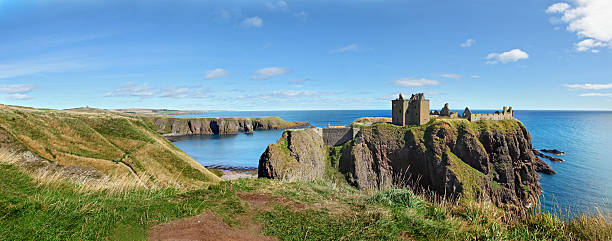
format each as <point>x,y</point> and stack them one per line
<point>591,20</point>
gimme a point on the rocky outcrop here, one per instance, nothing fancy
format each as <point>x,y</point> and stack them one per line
<point>490,160</point>
<point>553,151</point>
<point>552,158</point>
<point>180,126</point>
<point>462,159</point>
<point>299,155</point>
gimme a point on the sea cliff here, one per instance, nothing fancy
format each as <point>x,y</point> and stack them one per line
<point>180,126</point>
<point>490,160</point>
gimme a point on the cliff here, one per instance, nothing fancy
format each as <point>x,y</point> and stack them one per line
<point>490,160</point>
<point>179,126</point>
<point>119,147</point>
<point>299,155</point>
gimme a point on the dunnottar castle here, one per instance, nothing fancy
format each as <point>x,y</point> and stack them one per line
<point>415,111</point>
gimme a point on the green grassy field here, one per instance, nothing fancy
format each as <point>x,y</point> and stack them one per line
<point>61,210</point>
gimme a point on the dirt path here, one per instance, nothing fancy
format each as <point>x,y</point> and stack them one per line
<point>207,226</point>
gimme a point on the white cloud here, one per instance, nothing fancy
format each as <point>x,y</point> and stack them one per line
<point>277,5</point>
<point>270,72</point>
<point>16,89</point>
<point>468,43</point>
<point>256,22</point>
<point>450,76</point>
<point>475,76</point>
<point>588,86</point>
<point>590,44</point>
<point>558,8</point>
<point>215,73</point>
<point>182,92</point>
<point>132,90</point>
<point>589,19</point>
<point>596,94</point>
<point>18,97</point>
<point>414,82</point>
<point>350,47</point>
<point>507,57</point>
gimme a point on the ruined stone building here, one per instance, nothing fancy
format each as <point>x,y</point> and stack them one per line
<point>414,111</point>
<point>506,114</point>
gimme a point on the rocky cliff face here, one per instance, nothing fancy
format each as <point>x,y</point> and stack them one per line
<point>179,126</point>
<point>299,155</point>
<point>490,160</point>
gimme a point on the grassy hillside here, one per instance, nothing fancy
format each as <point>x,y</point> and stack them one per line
<point>33,208</point>
<point>119,146</point>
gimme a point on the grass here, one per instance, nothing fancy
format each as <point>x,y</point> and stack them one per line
<point>60,210</point>
<point>113,144</point>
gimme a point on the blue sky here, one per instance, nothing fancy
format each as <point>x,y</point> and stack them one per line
<point>285,55</point>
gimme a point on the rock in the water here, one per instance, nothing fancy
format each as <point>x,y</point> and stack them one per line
<point>542,167</point>
<point>553,151</point>
<point>552,158</point>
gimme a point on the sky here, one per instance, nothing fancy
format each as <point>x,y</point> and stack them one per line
<point>306,55</point>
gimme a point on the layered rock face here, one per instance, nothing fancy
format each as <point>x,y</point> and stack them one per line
<point>480,161</point>
<point>491,160</point>
<point>299,155</point>
<point>179,126</point>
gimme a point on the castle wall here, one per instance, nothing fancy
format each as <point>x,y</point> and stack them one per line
<point>418,112</point>
<point>334,136</point>
<point>399,108</point>
<point>492,116</point>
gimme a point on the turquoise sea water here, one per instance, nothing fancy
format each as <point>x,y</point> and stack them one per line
<point>582,182</point>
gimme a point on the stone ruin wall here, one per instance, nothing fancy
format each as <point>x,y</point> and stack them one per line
<point>334,136</point>
<point>492,116</point>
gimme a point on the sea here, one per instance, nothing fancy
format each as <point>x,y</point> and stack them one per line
<point>583,183</point>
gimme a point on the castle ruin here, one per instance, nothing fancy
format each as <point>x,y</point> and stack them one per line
<point>506,114</point>
<point>415,111</point>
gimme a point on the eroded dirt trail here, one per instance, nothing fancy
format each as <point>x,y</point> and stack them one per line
<point>207,226</point>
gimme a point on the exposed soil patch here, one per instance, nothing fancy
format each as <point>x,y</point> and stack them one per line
<point>207,226</point>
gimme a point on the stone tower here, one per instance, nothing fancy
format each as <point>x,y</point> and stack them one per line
<point>414,111</point>
<point>398,109</point>
<point>418,110</point>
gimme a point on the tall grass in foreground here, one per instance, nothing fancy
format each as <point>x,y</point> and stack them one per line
<point>45,207</point>
<point>52,177</point>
